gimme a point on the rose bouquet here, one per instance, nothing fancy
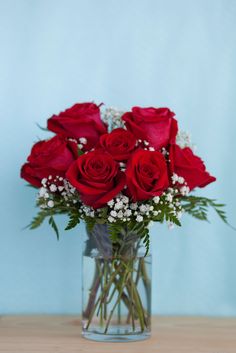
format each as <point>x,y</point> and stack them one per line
<point>118,172</point>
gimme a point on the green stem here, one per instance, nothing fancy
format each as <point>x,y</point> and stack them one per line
<point>139,307</point>
<point>102,295</point>
<point>93,292</point>
<point>117,301</point>
<point>131,311</point>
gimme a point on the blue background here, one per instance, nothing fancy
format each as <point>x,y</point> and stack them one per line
<point>179,54</point>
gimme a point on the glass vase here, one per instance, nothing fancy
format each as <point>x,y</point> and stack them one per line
<point>116,298</point>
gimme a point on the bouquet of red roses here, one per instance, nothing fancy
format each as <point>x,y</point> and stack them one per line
<point>117,168</point>
<point>118,172</point>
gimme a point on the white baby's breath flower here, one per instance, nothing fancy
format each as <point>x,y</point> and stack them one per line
<point>142,208</point>
<point>134,206</point>
<point>50,203</point>
<point>44,181</point>
<point>42,192</point>
<point>183,139</point>
<point>110,203</point>
<point>53,188</point>
<point>118,205</point>
<point>151,223</point>
<point>174,178</point>
<point>120,214</point>
<point>184,190</point>
<point>139,218</point>
<point>127,213</point>
<point>179,214</point>
<point>156,199</point>
<point>83,140</point>
<point>122,164</point>
<point>125,199</point>
<point>181,180</point>
<point>110,219</point>
<point>169,198</point>
<point>113,213</point>
<point>170,225</point>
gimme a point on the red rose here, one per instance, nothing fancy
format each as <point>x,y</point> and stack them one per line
<point>189,166</point>
<point>120,143</point>
<point>155,125</point>
<point>50,157</point>
<point>146,175</point>
<point>81,120</point>
<point>97,178</point>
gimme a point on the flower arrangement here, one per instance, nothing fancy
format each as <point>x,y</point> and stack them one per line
<point>118,172</point>
<point>143,170</point>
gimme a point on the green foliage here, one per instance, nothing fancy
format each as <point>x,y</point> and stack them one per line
<point>144,234</point>
<point>124,235</point>
<point>197,207</point>
<point>115,229</point>
<point>173,219</point>
<point>54,226</point>
<point>38,219</point>
<point>73,220</point>
<point>42,128</point>
<point>31,186</point>
<point>166,214</point>
<point>141,230</point>
<point>80,152</point>
<point>90,223</point>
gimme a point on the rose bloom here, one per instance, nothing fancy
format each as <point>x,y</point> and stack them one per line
<point>97,178</point>
<point>186,164</point>
<point>146,175</point>
<point>81,120</point>
<point>50,157</point>
<point>120,143</point>
<point>155,125</point>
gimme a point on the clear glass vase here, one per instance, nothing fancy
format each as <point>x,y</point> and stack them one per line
<point>116,287</point>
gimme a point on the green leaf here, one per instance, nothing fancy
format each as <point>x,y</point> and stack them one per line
<point>197,206</point>
<point>115,230</point>
<point>31,186</point>
<point>174,219</point>
<point>38,220</point>
<point>141,229</point>
<point>74,220</point>
<point>54,226</point>
<point>80,152</point>
<point>90,223</point>
<point>42,128</point>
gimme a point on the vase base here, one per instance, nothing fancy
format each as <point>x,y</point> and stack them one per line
<point>116,337</point>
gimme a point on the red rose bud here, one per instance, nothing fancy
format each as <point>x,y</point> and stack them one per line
<point>146,175</point>
<point>81,120</point>
<point>186,164</point>
<point>120,143</point>
<point>155,125</point>
<point>97,178</point>
<point>50,157</point>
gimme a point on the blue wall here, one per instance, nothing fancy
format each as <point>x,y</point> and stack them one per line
<point>179,54</point>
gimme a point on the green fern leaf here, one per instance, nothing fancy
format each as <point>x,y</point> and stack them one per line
<point>73,221</point>
<point>54,226</point>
